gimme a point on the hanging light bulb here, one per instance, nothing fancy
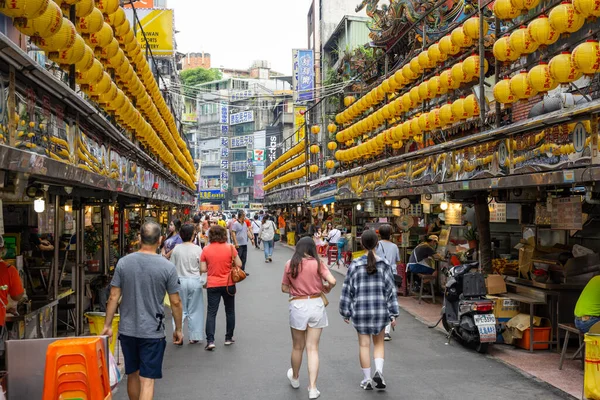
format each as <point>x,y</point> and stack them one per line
<point>358,207</point>
<point>39,205</point>
<point>388,202</point>
<point>444,205</point>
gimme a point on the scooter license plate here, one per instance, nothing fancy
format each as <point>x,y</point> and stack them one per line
<point>486,324</point>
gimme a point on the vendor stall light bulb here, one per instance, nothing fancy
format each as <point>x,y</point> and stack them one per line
<point>358,207</point>
<point>67,208</point>
<point>39,205</point>
<point>388,202</point>
<point>444,205</point>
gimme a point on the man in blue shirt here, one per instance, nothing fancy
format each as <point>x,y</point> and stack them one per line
<point>240,236</point>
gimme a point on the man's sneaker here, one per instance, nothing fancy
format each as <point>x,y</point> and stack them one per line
<point>387,337</point>
<point>270,259</point>
<point>210,346</point>
<point>379,381</point>
<point>229,342</point>
<point>367,385</point>
<point>294,382</point>
<point>313,393</point>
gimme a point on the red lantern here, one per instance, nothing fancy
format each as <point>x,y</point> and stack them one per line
<point>186,211</point>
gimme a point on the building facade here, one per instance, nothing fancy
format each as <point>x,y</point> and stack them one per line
<point>195,60</point>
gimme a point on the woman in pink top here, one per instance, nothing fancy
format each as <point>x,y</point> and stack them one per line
<point>303,280</point>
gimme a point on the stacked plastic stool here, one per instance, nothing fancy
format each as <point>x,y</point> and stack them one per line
<point>76,369</point>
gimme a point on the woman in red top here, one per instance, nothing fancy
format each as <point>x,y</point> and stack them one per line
<point>303,280</point>
<point>216,259</point>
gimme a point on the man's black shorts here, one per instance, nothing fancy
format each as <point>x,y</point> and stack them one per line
<point>145,355</point>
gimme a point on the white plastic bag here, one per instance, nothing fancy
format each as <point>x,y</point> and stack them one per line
<point>113,371</point>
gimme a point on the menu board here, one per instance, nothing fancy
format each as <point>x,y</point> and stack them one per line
<point>497,212</point>
<point>570,216</point>
<point>453,214</point>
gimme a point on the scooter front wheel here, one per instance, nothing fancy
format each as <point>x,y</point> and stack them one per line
<point>482,348</point>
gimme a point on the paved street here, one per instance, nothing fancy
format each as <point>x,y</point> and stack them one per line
<point>417,365</point>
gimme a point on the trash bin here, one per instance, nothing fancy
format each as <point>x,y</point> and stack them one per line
<point>591,378</point>
<point>96,321</point>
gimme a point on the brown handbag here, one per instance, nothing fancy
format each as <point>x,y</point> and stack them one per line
<point>236,275</point>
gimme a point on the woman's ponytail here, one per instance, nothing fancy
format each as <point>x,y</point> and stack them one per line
<point>371,262</point>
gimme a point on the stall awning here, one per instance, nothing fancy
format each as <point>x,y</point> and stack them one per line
<point>323,202</point>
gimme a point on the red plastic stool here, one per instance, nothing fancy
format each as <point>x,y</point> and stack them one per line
<point>332,254</point>
<point>347,257</point>
<point>322,250</point>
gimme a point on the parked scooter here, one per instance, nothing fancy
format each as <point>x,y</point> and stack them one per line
<point>466,313</point>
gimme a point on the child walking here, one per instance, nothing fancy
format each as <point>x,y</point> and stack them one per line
<point>369,301</point>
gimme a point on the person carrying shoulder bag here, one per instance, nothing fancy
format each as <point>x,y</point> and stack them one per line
<point>267,235</point>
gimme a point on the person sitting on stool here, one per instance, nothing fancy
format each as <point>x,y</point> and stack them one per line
<point>587,310</point>
<point>420,259</point>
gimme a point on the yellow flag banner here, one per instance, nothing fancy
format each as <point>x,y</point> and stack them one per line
<point>158,26</point>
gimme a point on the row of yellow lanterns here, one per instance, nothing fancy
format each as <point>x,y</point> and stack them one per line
<point>285,167</point>
<point>460,38</point>
<point>438,85</point>
<point>297,149</point>
<point>59,38</point>
<point>562,69</point>
<point>566,17</point>
<point>295,175</point>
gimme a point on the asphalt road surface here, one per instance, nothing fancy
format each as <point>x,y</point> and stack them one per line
<point>418,364</point>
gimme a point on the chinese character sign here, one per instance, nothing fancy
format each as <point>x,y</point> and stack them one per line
<point>223,113</point>
<point>211,194</point>
<point>303,78</point>
<point>299,123</point>
<point>241,118</point>
<point>241,141</point>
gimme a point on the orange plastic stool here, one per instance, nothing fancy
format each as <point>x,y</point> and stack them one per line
<point>76,366</point>
<point>73,395</point>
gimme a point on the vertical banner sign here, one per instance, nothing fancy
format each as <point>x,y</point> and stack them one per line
<point>224,164</point>
<point>224,114</point>
<point>258,187</point>
<point>273,142</point>
<point>116,223</point>
<point>299,123</point>
<point>158,27</point>
<point>303,77</point>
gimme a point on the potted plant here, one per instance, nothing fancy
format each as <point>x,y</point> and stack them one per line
<point>91,243</point>
<point>471,237</point>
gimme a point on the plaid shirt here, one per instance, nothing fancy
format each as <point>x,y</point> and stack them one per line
<point>369,301</point>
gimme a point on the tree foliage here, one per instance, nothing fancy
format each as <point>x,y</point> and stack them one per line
<point>195,76</point>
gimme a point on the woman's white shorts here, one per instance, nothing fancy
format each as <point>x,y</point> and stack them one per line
<point>309,312</point>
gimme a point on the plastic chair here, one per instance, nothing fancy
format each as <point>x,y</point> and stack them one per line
<point>332,254</point>
<point>73,395</point>
<point>76,359</point>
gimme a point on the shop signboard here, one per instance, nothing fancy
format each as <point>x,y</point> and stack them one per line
<point>241,117</point>
<point>258,187</point>
<point>396,176</point>
<point>326,186</point>
<point>116,223</point>
<point>224,181</point>
<point>157,25</point>
<point>258,156</point>
<point>299,123</point>
<point>453,214</point>
<point>273,139</point>
<point>568,215</point>
<point>238,206</point>
<point>303,77</point>
<point>497,212</point>
<point>242,141</point>
<point>256,206</point>
<point>210,194</point>
<point>223,113</point>
<point>292,195</point>
<point>239,166</point>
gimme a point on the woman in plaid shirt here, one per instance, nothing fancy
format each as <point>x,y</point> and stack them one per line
<point>369,301</point>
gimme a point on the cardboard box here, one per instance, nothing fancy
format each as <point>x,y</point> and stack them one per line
<point>516,326</point>
<point>495,284</point>
<point>504,308</point>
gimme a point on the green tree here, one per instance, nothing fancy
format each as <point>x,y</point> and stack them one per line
<point>195,76</point>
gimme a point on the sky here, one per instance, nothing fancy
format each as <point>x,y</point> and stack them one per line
<point>237,32</point>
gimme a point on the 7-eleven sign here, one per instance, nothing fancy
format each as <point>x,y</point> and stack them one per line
<point>259,155</point>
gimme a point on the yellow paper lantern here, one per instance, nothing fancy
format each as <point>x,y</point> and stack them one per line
<point>448,83</point>
<point>525,4</point>
<point>434,118</point>
<point>338,155</point>
<point>332,128</point>
<point>448,47</point>
<point>586,57</point>
<point>109,96</point>
<point>460,39</point>
<point>407,102</point>
<point>424,61</point>
<point>435,54</point>
<point>63,39</point>
<point>458,75</point>
<point>434,86</point>
<point>471,67</point>
<point>542,32</point>
<point>423,122</point>
<point>117,18</point>
<point>91,23</point>
<point>315,129</point>
<point>502,50</point>
<point>23,8</point>
<point>83,8</point>
<point>406,130</point>
<point>45,25</point>
<point>562,68</point>
<point>92,75</point>
<point>504,10</point>
<point>102,38</point>
<point>109,51</point>
<point>314,149</point>
<point>520,86</point>
<point>415,128</point>
<point>446,116</point>
<point>458,109</point>
<point>86,61</point>
<point>540,78</point>
<point>471,106</point>
<point>399,78</point>
<point>408,73</point>
<point>471,27</point>
<point>565,19</point>
<point>415,66</point>
<point>71,55</point>
<point>502,92</point>
<point>332,146</point>
<point>117,60</point>
<point>521,41</point>
<point>103,85</point>
<point>348,100</point>
<point>107,7</point>
<point>385,85</point>
<point>329,164</point>
<point>415,97</point>
<point>424,92</point>
<point>588,8</point>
